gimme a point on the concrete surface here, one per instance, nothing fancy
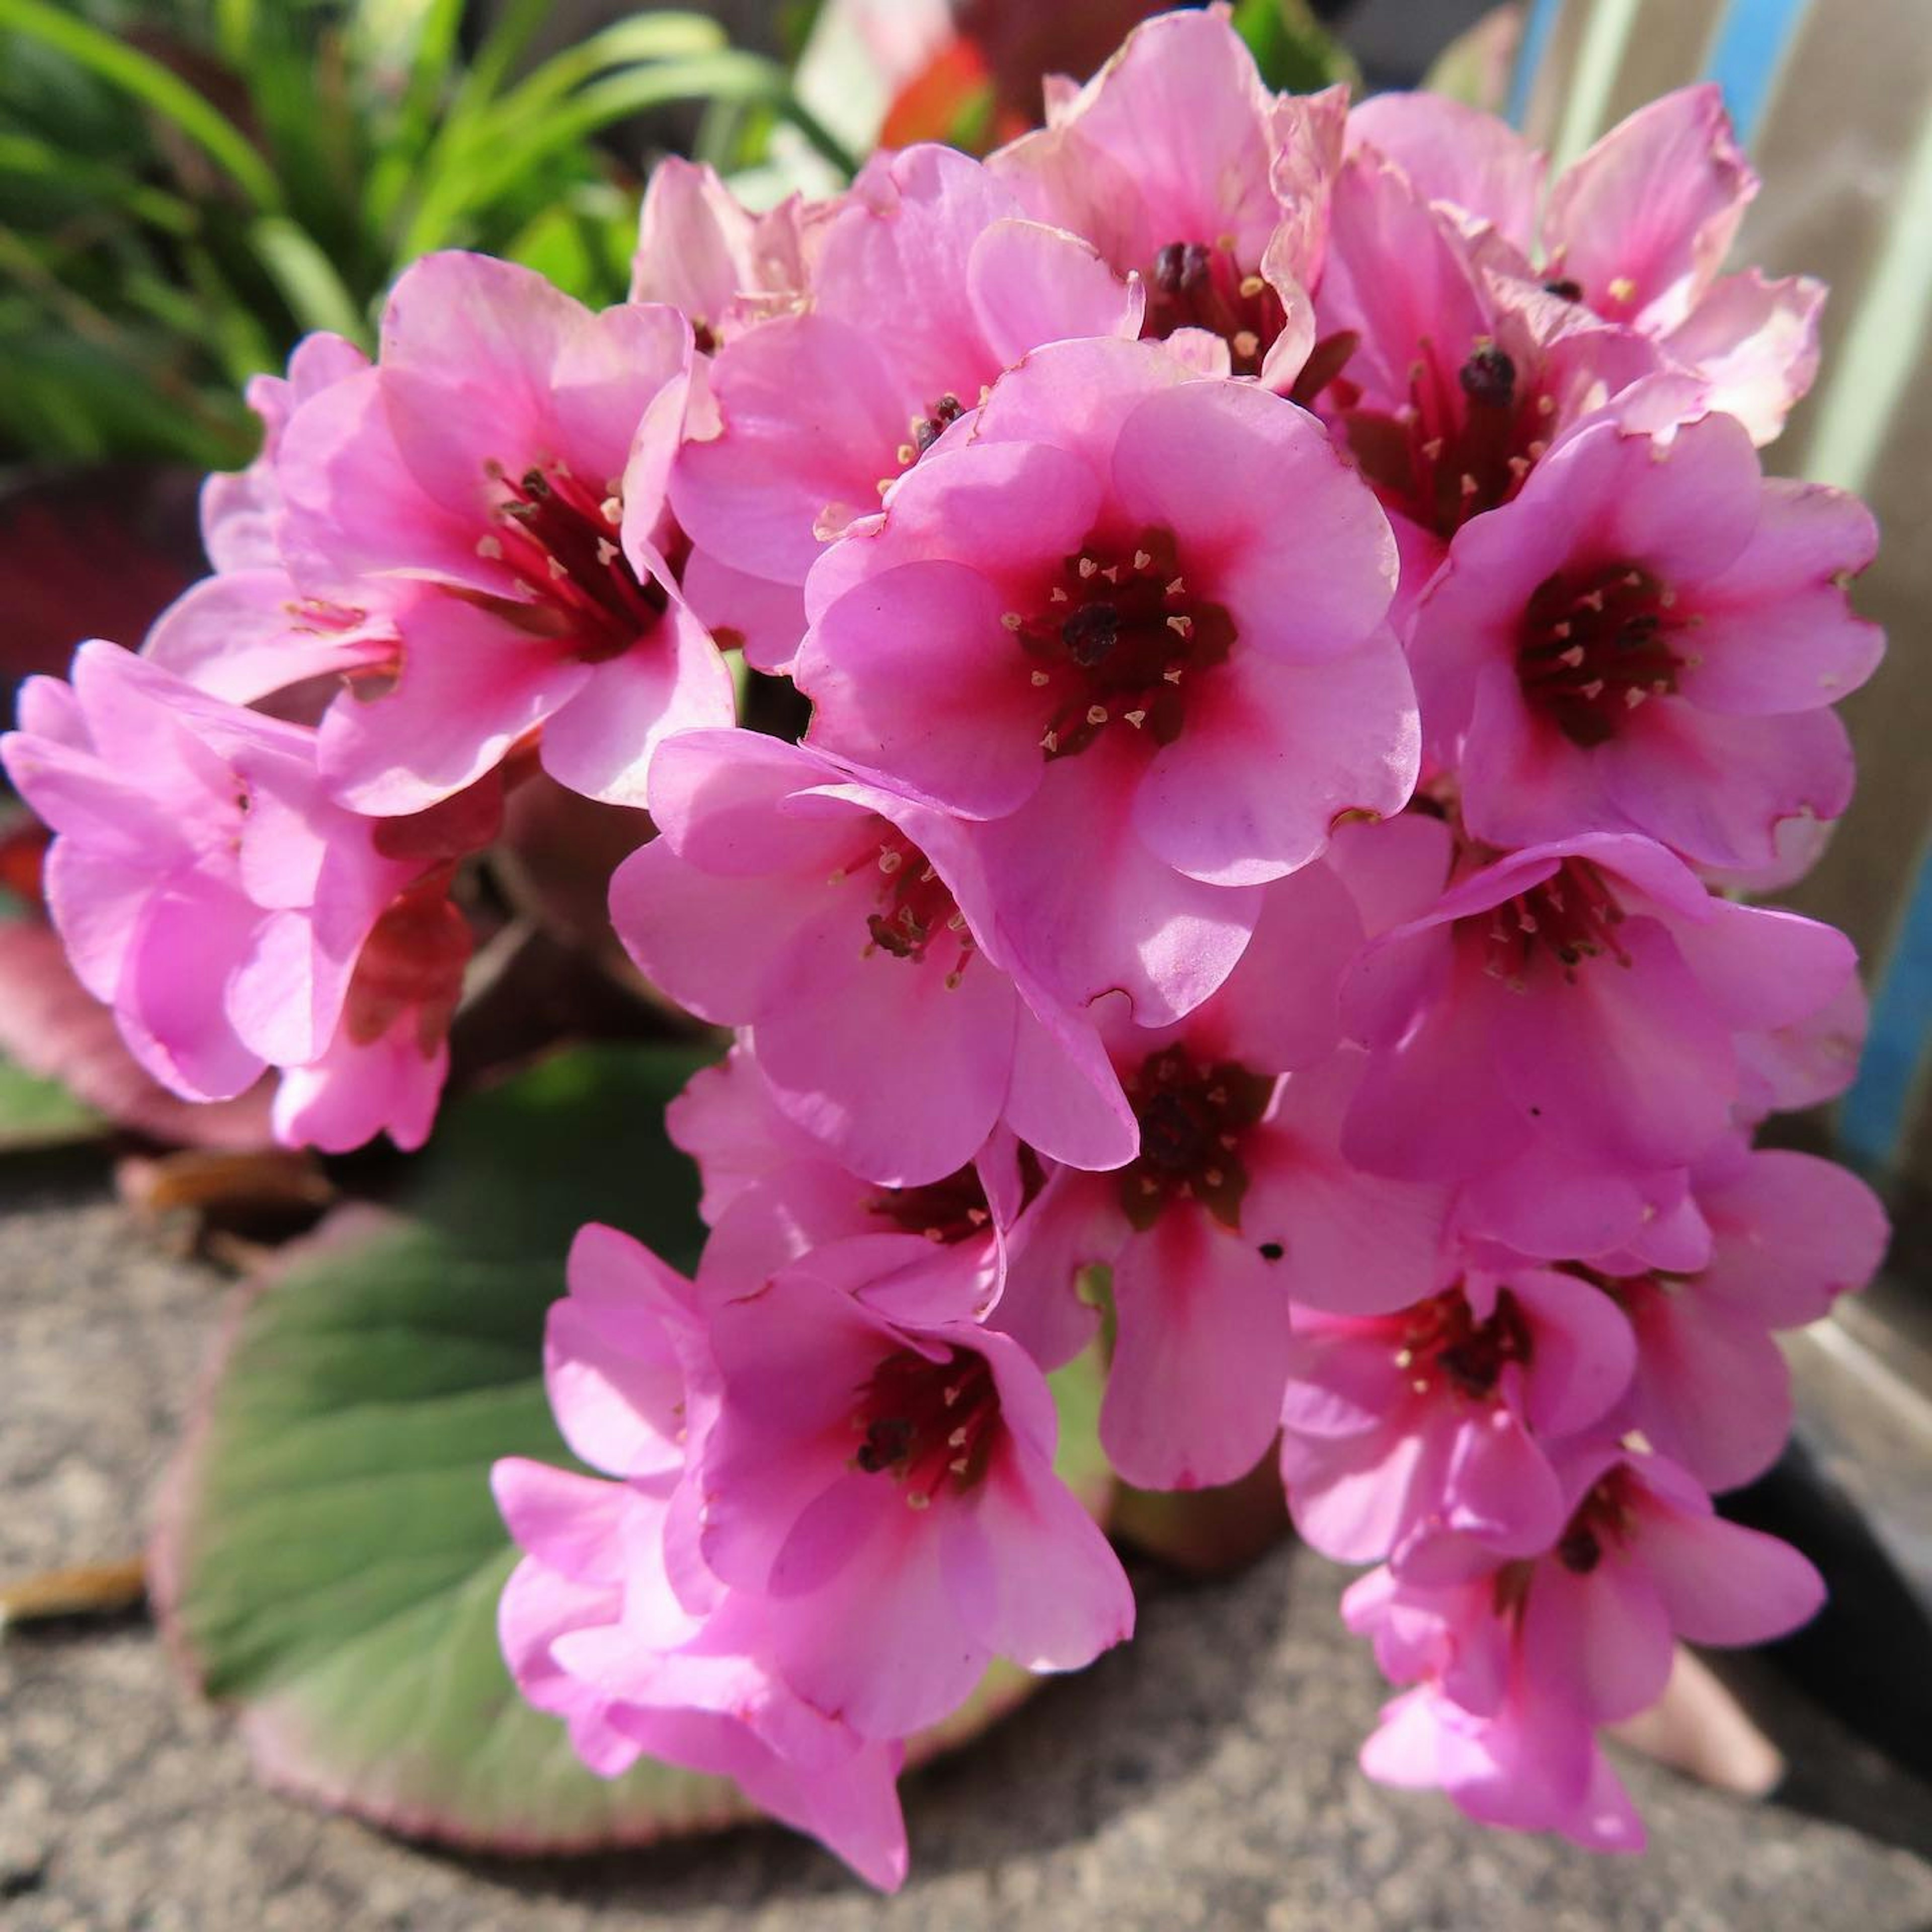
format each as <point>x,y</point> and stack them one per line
<point>1203,1777</point>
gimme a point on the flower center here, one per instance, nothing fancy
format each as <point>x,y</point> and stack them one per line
<point>1191,285</point>
<point>929,1425</point>
<point>1572,916</point>
<point>560,540</point>
<point>1443,1342</point>
<point>1193,1121</point>
<point>946,1212</point>
<point>1119,637</point>
<point>928,429</point>
<point>915,909</point>
<point>1462,443</point>
<point>1594,645</point>
<point>1602,1517</point>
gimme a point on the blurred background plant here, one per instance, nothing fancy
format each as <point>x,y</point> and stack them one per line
<point>186,189</point>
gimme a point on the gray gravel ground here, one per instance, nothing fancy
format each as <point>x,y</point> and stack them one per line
<point>1203,1777</point>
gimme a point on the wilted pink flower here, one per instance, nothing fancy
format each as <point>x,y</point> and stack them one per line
<point>611,1620</point>
<point>1563,1027</point>
<point>1134,618</point>
<point>888,1486</point>
<point>849,929</point>
<point>1636,231</point>
<point>1178,164</point>
<point>508,457</point>
<point>1237,1204</point>
<point>926,284</point>
<point>1402,1425</point>
<point>1647,640</point>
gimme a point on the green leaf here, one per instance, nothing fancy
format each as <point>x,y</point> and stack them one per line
<point>1295,53</point>
<point>154,85</point>
<point>330,1557</point>
<point>36,1112</point>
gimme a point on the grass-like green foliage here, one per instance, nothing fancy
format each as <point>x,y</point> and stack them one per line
<point>188,188</point>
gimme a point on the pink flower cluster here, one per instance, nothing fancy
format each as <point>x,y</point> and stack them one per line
<point>1299,648</point>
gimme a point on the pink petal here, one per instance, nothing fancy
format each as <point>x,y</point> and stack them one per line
<point>1061,1597</point>
<point>1087,909</point>
<point>1213,462</point>
<point>811,421</point>
<point>1755,344</point>
<point>1776,633</point>
<point>1723,1584</point>
<point>1653,205</point>
<point>1030,285</point>
<point>1200,1359</point>
<point>1273,754</point>
<point>443,725</point>
<point>602,741</point>
<point>1455,153</point>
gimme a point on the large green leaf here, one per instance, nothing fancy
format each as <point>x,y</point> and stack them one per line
<point>330,1558</point>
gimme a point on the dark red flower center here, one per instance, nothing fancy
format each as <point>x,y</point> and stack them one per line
<point>1594,645</point>
<point>946,1212</point>
<point>1193,285</point>
<point>1442,1342</point>
<point>929,1425</point>
<point>914,908</point>
<point>1602,1517</point>
<point>1120,634</point>
<point>1463,444</point>
<point>1193,1120</point>
<point>560,539</point>
<point>1571,917</point>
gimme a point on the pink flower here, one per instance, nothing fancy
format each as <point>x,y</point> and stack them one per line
<point>849,929</point>
<point>1647,640</point>
<point>1449,383</point>
<point>1642,1562</point>
<point>1564,1027</point>
<point>1636,231</point>
<point>1134,619</point>
<point>249,631</point>
<point>1400,1426</point>
<point>1518,1661</point>
<point>926,283</point>
<point>611,1620</point>
<point>888,1486</point>
<point>1789,1234</point>
<point>508,458</point>
<point>773,1194</point>
<point>234,917</point>
<point>700,250</point>
<point>1178,164</point>
<point>1238,1204</point>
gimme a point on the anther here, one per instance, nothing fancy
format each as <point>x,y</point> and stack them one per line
<point>1011,619</point>
<point>1040,677</point>
<point>1096,714</point>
